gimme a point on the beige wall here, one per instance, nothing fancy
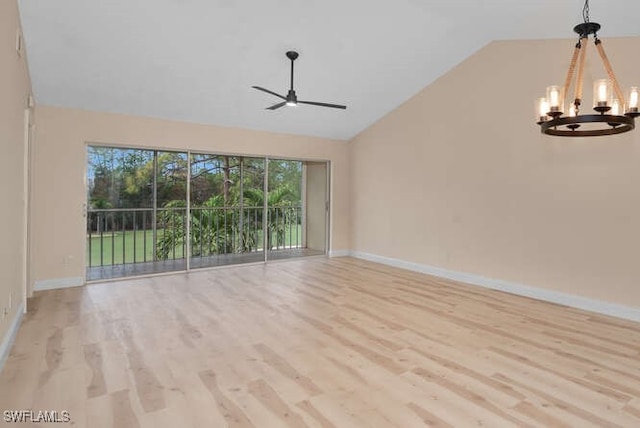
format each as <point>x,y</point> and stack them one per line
<point>15,87</point>
<point>460,178</point>
<point>59,173</point>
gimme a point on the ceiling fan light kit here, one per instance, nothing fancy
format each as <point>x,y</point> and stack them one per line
<point>615,114</point>
<point>291,99</point>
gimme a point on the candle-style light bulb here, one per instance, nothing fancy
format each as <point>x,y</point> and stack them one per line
<point>633,101</point>
<point>555,99</point>
<point>542,109</point>
<point>573,112</point>
<point>616,108</point>
<point>602,95</point>
<point>602,92</point>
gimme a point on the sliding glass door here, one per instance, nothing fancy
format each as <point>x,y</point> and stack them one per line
<point>153,211</point>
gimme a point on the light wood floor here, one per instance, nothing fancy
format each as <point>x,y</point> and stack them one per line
<point>319,343</point>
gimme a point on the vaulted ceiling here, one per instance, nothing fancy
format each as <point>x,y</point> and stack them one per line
<point>196,60</point>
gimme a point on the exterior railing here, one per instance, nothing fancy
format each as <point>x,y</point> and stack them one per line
<point>124,236</point>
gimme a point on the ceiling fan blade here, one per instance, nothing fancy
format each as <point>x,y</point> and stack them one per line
<point>276,106</point>
<point>313,103</point>
<point>269,92</point>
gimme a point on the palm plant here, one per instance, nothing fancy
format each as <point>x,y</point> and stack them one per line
<point>212,228</point>
<point>278,216</point>
<point>217,228</point>
<point>171,222</point>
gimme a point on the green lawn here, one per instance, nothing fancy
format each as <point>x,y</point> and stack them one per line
<point>120,247</point>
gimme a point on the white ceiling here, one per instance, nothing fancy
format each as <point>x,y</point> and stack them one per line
<point>196,60</point>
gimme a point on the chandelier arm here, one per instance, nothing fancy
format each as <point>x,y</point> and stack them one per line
<point>580,78</point>
<point>607,66</point>
<point>572,68</point>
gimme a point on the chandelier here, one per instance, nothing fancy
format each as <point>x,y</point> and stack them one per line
<point>615,115</point>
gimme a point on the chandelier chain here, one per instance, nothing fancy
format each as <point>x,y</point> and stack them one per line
<point>585,11</point>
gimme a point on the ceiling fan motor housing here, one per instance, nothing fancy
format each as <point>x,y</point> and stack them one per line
<point>291,97</point>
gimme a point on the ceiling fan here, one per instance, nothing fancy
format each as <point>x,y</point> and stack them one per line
<point>292,99</point>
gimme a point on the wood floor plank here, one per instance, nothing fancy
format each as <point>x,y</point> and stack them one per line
<point>272,401</point>
<point>93,357</point>
<point>319,343</point>
<point>491,384</point>
<point>233,415</point>
<point>53,355</point>
<point>315,414</point>
<point>149,389</point>
<point>526,408</point>
<point>368,353</point>
<point>121,410</point>
<point>587,416</point>
<point>468,395</point>
<point>280,364</point>
<point>427,417</point>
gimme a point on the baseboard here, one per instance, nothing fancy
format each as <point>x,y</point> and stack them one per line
<point>597,306</point>
<point>53,284</point>
<point>340,253</point>
<point>5,348</point>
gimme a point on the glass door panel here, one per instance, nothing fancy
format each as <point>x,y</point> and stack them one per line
<point>225,223</point>
<point>130,225</point>
<point>171,211</point>
<point>288,209</point>
<point>251,204</point>
<point>316,207</point>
